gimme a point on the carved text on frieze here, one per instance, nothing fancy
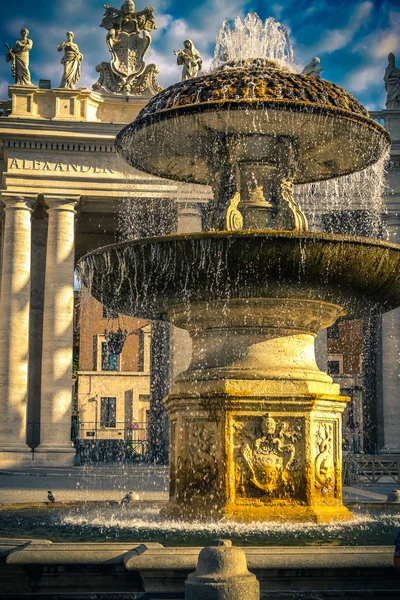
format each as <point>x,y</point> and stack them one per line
<point>40,164</point>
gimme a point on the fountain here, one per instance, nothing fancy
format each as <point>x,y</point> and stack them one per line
<point>255,425</point>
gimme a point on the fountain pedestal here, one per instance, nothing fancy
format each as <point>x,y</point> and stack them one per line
<point>255,425</point>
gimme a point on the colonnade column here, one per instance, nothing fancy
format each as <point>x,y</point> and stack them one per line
<point>189,216</point>
<point>14,332</point>
<point>389,384</point>
<point>56,389</point>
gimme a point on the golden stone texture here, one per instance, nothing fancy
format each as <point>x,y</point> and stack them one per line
<point>255,426</point>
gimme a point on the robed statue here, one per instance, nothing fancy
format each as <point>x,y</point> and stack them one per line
<point>19,58</point>
<point>128,40</point>
<point>190,60</point>
<point>392,83</point>
<point>71,60</point>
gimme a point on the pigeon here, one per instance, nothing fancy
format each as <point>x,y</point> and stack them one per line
<point>51,496</point>
<point>127,498</point>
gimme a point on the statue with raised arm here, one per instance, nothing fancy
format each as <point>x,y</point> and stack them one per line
<point>312,68</point>
<point>190,60</point>
<point>72,61</point>
<point>392,83</point>
<point>128,40</point>
<point>19,58</point>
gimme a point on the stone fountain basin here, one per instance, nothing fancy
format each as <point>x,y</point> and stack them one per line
<point>146,277</point>
<point>331,144</point>
<point>174,134</point>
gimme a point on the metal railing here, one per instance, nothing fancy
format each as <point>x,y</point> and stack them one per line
<point>112,442</point>
<point>128,431</point>
<point>371,468</point>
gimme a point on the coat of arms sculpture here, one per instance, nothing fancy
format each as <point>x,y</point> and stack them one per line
<point>128,40</point>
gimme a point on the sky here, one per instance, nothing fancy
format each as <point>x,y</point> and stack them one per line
<point>352,38</point>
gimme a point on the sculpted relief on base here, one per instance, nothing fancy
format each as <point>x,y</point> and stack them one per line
<point>197,469</point>
<point>267,456</point>
<point>324,459</point>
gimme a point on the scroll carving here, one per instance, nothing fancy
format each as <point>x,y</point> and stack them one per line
<point>324,462</point>
<point>234,219</point>
<point>289,214</point>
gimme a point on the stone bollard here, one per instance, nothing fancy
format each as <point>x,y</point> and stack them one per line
<point>394,496</point>
<point>222,574</point>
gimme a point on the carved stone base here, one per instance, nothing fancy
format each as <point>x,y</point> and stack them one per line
<point>255,426</point>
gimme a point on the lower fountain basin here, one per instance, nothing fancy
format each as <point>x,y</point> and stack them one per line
<point>375,525</point>
<point>146,277</point>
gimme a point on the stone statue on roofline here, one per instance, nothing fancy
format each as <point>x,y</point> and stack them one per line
<point>312,68</point>
<point>71,60</point>
<point>19,58</point>
<point>128,40</point>
<point>392,83</point>
<point>190,60</point>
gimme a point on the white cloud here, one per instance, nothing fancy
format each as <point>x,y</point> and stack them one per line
<point>366,77</point>
<point>277,10</point>
<point>389,43</point>
<point>334,39</point>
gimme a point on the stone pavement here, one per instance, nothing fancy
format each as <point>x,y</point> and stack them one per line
<point>83,484</point>
<point>111,482</point>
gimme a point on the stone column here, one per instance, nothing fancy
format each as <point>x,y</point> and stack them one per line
<point>189,216</point>
<point>389,384</point>
<point>1,241</point>
<point>56,396</point>
<point>14,332</point>
<point>38,266</point>
<point>160,387</point>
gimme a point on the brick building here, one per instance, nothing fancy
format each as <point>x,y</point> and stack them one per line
<point>113,392</point>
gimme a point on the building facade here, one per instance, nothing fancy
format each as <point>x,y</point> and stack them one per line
<point>113,390</point>
<point>62,191</point>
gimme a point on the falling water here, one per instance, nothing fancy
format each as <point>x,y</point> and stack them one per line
<point>363,191</point>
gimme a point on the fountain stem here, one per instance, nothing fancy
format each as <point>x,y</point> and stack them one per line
<point>252,177</point>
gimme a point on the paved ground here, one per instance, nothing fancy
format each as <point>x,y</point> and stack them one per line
<point>103,483</point>
<point>83,483</point>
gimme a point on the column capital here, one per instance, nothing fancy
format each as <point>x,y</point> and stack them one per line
<point>18,201</point>
<point>62,203</point>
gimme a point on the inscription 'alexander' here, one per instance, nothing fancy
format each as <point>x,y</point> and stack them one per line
<point>34,164</point>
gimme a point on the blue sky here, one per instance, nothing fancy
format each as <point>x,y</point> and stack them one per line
<point>352,38</point>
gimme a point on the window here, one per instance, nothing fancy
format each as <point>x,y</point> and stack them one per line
<point>333,331</point>
<point>109,361</point>
<point>335,364</point>
<point>140,335</point>
<point>107,313</point>
<point>333,367</point>
<point>108,412</point>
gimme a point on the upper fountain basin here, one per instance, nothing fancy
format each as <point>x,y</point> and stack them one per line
<point>146,277</point>
<point>173,135</point>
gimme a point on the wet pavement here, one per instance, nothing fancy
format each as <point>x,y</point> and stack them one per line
<point>83,484</point>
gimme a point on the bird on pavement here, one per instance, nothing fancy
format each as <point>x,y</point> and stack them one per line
<point>127,498</point>
<point>51,496</point>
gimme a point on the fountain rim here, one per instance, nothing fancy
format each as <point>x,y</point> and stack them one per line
<point>246,233</point>
<point>165,114</point>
